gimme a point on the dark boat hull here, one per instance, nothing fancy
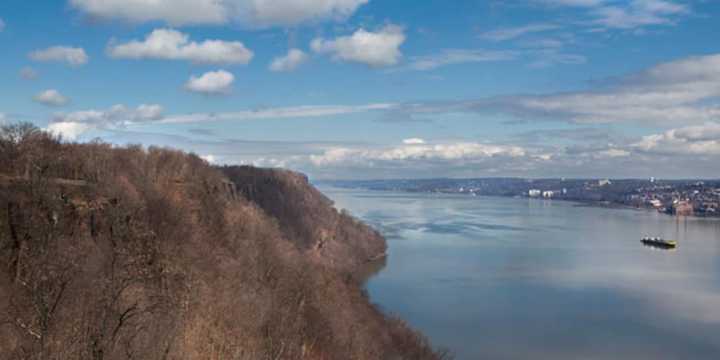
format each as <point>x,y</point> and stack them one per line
<point>658,244</point>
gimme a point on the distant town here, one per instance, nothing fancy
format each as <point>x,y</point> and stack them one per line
<point>674,197</point>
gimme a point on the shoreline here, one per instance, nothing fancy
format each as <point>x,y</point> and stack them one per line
<point>577,202</point>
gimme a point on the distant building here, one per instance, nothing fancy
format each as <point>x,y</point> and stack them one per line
<point>534,193</point>
<point>548,194</point>
<point>604,182</point>
<point>656,203</point>
<point>683,207</point>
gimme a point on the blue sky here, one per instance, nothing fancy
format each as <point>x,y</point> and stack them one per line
<point>379,88</point>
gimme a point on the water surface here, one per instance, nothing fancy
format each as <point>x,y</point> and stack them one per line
<point>505,278</point>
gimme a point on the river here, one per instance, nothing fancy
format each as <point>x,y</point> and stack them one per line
<point>509,278</point>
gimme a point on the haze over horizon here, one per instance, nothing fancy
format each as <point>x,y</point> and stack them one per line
<point>368,89</point>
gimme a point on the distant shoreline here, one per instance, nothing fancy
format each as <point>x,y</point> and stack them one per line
<point>575,202</point>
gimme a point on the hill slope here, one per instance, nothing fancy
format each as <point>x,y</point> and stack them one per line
<point>126,253</point>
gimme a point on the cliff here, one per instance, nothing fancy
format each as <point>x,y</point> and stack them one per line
<point>130,253</point>
<point>308,219</point>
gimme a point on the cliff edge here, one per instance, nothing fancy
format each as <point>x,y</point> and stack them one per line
<point>130,253</point>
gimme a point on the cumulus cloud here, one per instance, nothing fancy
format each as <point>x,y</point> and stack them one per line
<point>375,49</point>
<point>515,32</point>
<point>28,73</point>
<point>211,83</point>
<point>169,44</point>
<point>289,62</point>
<point>250,13</point>
<point>71,125</point>
<point>71,55</point>
<point>51,97</point>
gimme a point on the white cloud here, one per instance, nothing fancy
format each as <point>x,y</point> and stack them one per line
<point>279,113</point>
<point>28,73</point>
<point>70,55</point>
<point>376,49</point>
<point>289,62</point>
<point>264,13</point>
<point>51,97</point>
<point>211,83</point>
<point>515,32</point>
<point>685,91</point>
<point>458,56</point>
<point>73,124</point>
<point>175,12</point>
<point>116,115</point>
<point>612,153</point>
<point>414,141</point>
<point>212,159</point>
<point>639,13</point>
<point>168,44</point>
<point>674,92</point>
<point>68,130</point>
<point>250,13</point>
<point>540,57</point>
<point>660,6</point>
<point>416,152</point>
<point>692,140</point>
<point>630,14</point>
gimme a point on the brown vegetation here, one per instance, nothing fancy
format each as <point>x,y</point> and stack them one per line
<point>128,253</point>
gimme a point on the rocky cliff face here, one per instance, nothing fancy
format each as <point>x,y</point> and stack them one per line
<point>126,253</point>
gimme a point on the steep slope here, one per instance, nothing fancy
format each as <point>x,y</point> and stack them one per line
<point>308,219</point>
<point>126,253</point>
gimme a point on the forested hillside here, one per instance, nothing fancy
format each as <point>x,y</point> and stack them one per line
<point>131,253</point>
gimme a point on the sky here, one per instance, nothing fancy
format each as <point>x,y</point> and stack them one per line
<point>375,89</point>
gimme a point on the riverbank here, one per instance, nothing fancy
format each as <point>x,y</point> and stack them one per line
<point>508,278</point>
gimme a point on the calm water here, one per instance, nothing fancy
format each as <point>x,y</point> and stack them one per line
<point>502,278</point>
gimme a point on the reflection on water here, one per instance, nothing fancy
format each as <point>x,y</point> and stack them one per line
<point>502,278</point>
